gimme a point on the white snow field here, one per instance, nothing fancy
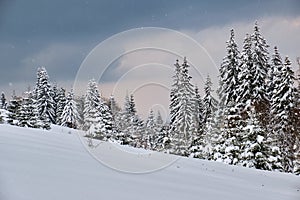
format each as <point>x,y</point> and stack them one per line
<point>55,165</point>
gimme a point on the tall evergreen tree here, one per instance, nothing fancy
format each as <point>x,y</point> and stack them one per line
<point>123,117</point>
<point>229,74</point>
<point>181,120</point>
<point>159,121</point>
<point>282,105</point>
<point>55,97</point>
<point>210,104</point>
<point>113,105</point>
<point>70,115</point>
<point>80,107</point>
<point>13,108</point>
<point>245,96</point>
<point>60,104</point>
<point>91,105</point>
<point>198,125</point>
<point>260,58</point>
<point>44,96</point>
<point>151,130</point>
<point>174,96</point>
<point>230,121</point>
<point>3,103</point>
<point>105,126</point>
<point>256,150</point>
<point>28,115</point>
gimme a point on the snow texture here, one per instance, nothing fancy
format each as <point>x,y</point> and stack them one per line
<point>38,164</point>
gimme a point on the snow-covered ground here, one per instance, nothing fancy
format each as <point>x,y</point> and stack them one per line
<point>58,165</point>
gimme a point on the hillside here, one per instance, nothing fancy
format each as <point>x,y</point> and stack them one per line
<point>56,164</point>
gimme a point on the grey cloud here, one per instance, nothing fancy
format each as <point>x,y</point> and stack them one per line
<point>29,28</point>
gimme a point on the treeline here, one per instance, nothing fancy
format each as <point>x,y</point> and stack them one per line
<point>254,123</point>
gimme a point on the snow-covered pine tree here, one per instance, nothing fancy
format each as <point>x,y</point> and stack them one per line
<point>136,131</point>
<point>70,115</point>
<point>174,97</point>
<point>92,101</point>
<point>182,113</point>
<point>275,67</point>
<point>123,117</point>
<point>159,121</point>
<point>210,104</point>
<point>28,115</point>
<point>13,108</point>
<point>282,106</point>
<point>3,103</point>
<point>113,105</point>
<point>55,96</point>
<point>151,130</point>
<point>132,108</point>
<point>80,107</point>
<point>260,58</point>
<point>1,117</point>
<point>229,73</point>
<point>60,105</point>
<point>97,115</point>
<point>105,127</point>
<point>133,126</point>
<point>256,151</point>
<point>230,120</point>
<point>44,96</point>
<point>296,122</point>
<point>186,92</point>
<point>197,113</point>
<point>228,145</point>
<point>198,146</point>
<point>245,96</point>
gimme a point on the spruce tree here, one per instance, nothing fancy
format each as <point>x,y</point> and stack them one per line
<point>105,127</point>
<point>296,122</point>
<point>210,104</point>
<point>282,106</point>
<point>91,105</point>
<point>55,96</point>
<point>229,74</point>
<point>159,121</point>
<point>174,96</point>
<point>28,113</point>
<point>151,130</point>
<point>230,121</point>
<point>123,117</point>
<point>113,106</point>
<point>197,113</point>
<point>3,103</point>
<point>44,96</point>
<point>245,94</point>
<point>60,104</point>
<point>256,151</point>
<point>182,113</point>
<point>70,115</point>
<point>13,108</point>
<point>80,107</point>
<point>199,142</point>
<point>260,58</point>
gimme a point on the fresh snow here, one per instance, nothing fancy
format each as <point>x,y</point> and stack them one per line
<point>57,164</point>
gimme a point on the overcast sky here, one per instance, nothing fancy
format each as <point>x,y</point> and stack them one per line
<point>60,34</point>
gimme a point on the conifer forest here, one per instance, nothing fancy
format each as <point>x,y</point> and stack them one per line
<point>251,120</point>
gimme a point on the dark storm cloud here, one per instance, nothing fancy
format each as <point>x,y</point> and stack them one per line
<point>52,19</point>
<point>59,34</point>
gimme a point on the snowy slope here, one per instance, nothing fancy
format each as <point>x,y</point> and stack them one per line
<point>54,165</point>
